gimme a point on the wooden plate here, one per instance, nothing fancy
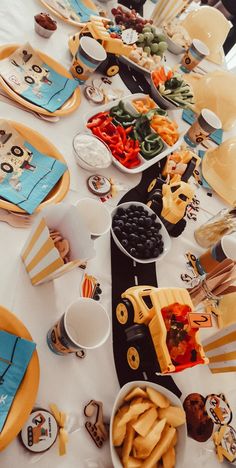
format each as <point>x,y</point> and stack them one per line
<point>87,3</point>
<point>61,188</point>
<point>27,392</point>
<point>69,106</point>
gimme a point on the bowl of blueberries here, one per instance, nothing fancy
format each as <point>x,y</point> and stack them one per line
<point>139,233</point>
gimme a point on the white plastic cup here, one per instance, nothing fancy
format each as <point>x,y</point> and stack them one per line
<point>95,215</point>
<point>84,325</point>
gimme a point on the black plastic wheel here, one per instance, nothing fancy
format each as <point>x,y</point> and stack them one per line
<point>125,312</point>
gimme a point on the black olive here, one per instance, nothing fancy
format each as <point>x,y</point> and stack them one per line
<point>148,222</point>
<point>141,230</point>
<point>141,221</point>
<point>125,243</point>
<point>149,244</point>
<point>117,231</point>
<point>120,223</point>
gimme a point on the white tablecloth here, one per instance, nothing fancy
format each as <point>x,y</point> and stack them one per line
<point>69,382</point>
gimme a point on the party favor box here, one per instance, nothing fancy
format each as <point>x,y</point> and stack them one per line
<point>41,256</point>
<point>221,350</point>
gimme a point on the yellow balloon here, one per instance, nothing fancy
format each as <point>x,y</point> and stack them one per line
<point>210,26</point>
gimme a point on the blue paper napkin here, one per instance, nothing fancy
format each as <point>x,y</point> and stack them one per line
<point>81,10</point>
<point>15,355</point>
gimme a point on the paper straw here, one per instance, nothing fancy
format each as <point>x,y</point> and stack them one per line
<point>165,10</point>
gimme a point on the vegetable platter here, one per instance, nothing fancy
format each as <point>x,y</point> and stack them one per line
<point>137,131</point>
<point>149,44</point>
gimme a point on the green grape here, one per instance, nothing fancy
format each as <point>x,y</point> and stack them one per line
<point>148,36</point>
<point>161,37</point>
<point>146,29</point>
<point>162,46</point>
<point>154,47</point>
<point>147,50</point>
<point>140,38</point>
<point>153,29</point>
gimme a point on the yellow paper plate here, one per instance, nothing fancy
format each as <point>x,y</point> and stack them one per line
<point>27,392</point>
<point>61,188</point>
<point>87,3</point>
<point>69,106</point>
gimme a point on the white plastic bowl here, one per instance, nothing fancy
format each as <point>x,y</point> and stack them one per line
<point>79,157</point>
<point>173,47</point>
<point>160,100</point>
<point>163,232</point>
<point>174,400</point>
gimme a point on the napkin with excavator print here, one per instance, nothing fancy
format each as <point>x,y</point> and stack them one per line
<point>34,80</point>
<point>26,175</point>
<point>15,355</point>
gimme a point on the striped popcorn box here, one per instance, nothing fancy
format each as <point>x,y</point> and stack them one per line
<point>42,259</point>
<point>166,10</point>
<point>221,350</point>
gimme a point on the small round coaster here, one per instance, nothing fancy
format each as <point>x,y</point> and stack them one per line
<point>93,94</point>
<point>40,431</point>
<point>99,185</point>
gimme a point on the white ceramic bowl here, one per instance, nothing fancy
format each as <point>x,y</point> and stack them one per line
<point>160,100</point>
<point>85,165</point>
<point>181,430</point>
<point>173,46</point>
<point>163,232</point>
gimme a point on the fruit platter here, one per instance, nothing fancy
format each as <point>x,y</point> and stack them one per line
<point>137,132</point>
<point>170,90</point>
<point>150,45</point>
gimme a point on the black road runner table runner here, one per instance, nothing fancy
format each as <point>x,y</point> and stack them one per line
<point>126,273</point>
<point>134,80</point>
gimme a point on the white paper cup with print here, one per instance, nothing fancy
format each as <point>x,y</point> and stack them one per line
<point>89,56</point>
<point>194,55</point>
<point>206,123</point>
<point>95,215</point>
<point>85,325</point>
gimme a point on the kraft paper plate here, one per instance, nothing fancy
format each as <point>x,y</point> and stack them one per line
<point>69,106</point>
<point>27,392</point>
<point>61,188</point>
<point>87,3</point>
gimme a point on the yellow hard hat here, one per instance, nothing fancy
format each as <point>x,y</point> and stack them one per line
<point>215,90</point>
<point>210,26</point>
<point>219,169</point>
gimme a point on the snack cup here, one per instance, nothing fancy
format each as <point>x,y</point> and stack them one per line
<point>84,325</point>
<point>89,56</point>
<point>95,216</point>
<point>41,258</point>
<point>174,400</point>
<point>196,52</point>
